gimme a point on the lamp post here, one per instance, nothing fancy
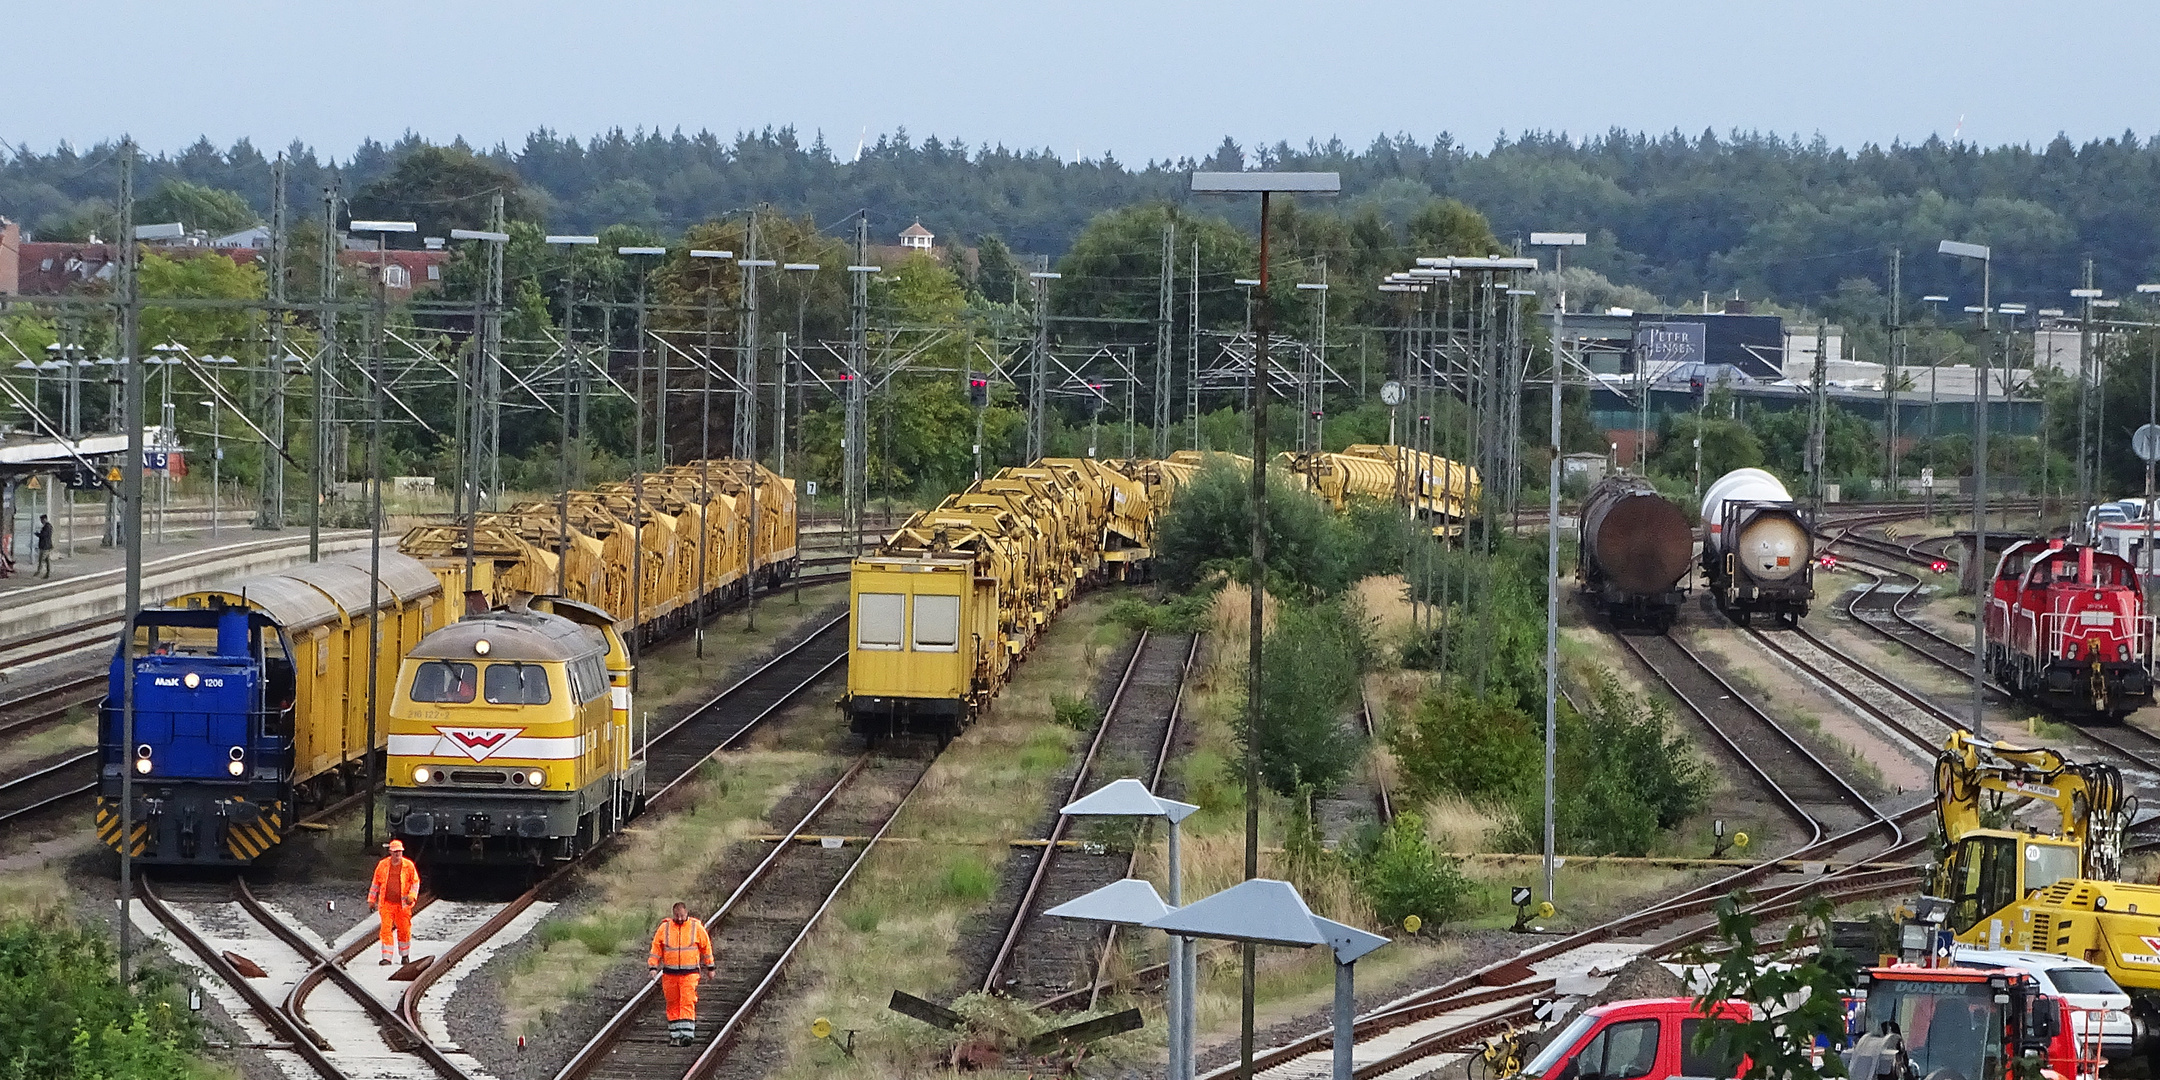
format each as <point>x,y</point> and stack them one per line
<point>1264,184</point>
<point>2152,418</point>
<point>787,366</point>
<point>1559,242</point>
<point>637,466</point>
<point>383,231</point>
<point>569,244</point>
<point>1981,574</point>
<point>217,454</point>
<point>713,257</point>
<point>1130,798</point>
<point>470,389</point>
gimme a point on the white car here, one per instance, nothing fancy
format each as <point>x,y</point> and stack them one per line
<point>2084,985</point>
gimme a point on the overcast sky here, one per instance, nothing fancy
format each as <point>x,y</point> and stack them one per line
<point>1140,79</point>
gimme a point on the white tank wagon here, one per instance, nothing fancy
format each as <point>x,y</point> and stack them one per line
<point>1757,551</point>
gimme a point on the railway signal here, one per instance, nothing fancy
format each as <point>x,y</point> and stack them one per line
<point>978,390</point>
<point>1940,566</point>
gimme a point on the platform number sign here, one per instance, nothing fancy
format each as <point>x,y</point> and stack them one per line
<point>1927,478</point>
<point>155,460</point>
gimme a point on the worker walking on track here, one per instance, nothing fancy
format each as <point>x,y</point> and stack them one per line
<point>680,951</point>
<point>395,891</point>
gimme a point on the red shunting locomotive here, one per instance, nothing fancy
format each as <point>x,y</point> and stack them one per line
<point>2066,630</point>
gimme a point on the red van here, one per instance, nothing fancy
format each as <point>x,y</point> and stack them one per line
<point>1642,1039</point>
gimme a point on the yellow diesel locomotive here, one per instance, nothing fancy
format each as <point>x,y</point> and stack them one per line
<point>509,737</point>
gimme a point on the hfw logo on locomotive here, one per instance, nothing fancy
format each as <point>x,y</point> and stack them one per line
<point>479,742</point>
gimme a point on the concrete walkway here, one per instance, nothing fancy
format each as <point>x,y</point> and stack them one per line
<point>90,583</point>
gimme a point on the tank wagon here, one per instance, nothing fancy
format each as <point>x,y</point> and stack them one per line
<point>2067,630</point>
<point>960,593</point>
<point>509,737</point>
<point>251,702</point>
<point>1637,553</point>
<point>1757,551</point>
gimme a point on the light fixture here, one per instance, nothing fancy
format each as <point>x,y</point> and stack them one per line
<point>383,226</point>
<point>480,234</point>
<point>573,240</point>
<point>711,253</point>
<point>191,680</point>
<point>634,250</point>
<point>480,647</point>
<point>420,774</point>
<point>535,777</point>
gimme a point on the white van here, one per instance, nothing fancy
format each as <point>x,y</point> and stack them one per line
<point>2081,984</point>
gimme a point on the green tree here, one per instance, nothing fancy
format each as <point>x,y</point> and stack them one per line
<point>442,188</point>
<point>200,276</point>
<point>1209,530</point>
<point>1726,445</point>
<point>214,210</point>
<point>1402,875</point>
<point>1805,983</point>
<point>997,273</point>
<point>1314,658</point>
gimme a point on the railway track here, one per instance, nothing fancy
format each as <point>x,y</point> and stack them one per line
<point>358,1035</point>
<point>48,784</point>
<point>1849,849</point>
<point>759,929</point>
<point>409,1033</point>
<point>1038,960</point>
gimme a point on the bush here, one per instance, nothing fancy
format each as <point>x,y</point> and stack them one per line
<point>1494,619</point>
<point>1208,530</point>
<point>1401,875</point>
<point>1182,614</point>
<point>1457,744</point>
<point>1077,713</point>
<point>64,1012</point>
<point>1313,660</point>
<point>1623,775</point>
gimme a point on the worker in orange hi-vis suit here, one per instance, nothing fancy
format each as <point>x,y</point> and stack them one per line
<point>680,951</point>
<point>395,891</point>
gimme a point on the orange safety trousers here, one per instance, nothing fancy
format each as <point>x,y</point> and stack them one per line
<point>681,992</point>
<point>397,922</point>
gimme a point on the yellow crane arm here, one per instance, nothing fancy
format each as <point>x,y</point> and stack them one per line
<point>2088,798</point>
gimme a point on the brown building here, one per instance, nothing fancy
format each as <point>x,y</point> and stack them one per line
<point>37,268</point>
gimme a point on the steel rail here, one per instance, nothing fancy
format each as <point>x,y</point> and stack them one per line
<point>732,1028</point>
<point>14,786</point>
<point>302,1040</point>
<point>1063,823</point>
<point>397,1032</point>
<point>1132,865</point>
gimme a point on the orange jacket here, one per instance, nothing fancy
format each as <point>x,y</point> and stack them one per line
<point>397,881</point>
<point>678,949</point>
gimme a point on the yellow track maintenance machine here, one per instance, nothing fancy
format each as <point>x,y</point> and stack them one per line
<point>2012,885</point>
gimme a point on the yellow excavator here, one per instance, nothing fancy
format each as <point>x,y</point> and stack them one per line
<point>2017,886</point>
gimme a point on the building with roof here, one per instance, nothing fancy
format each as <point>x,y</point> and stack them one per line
<point>917,238</point>
<point>39,268</point>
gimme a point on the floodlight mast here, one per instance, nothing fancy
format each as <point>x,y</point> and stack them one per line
<point>1981,571</point>
<point>1559,242</point>
<point>1264,184</point>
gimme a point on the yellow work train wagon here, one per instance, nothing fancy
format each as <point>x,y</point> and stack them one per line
<point>924,653</point>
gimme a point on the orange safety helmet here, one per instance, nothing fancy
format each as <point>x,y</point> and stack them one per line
<point>397,847</point>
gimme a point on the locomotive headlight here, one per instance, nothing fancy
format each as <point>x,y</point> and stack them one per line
<point>235,768</point>
<point>2122,652</point>
<point>191,680</point>
<point>420,774</point>
<point>535,777</point>
<point>237,762</point>
<point>480,647</point>
<point>142,759</point>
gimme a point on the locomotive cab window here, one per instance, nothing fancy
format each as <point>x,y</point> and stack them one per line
<point>517,684</point>
<point>445,682</point>
<point>937,623</point>
<point>880,620</point>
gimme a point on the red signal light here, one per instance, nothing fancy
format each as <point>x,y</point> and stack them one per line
<point>1940,567</point>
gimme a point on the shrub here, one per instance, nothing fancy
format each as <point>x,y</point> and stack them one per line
<point>1457,744</point>
<point>1308,680</point>
<point>1494,614</point>
<point>1180,614</point>
<point>1209,530</point>
<point>1077,713</point>
<point>64,1012</point>
<point>1402,875</point>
